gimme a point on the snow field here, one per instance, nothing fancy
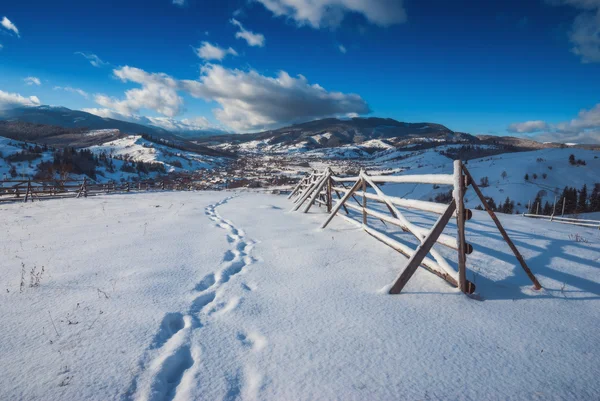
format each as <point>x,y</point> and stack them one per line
<point>228,296</point>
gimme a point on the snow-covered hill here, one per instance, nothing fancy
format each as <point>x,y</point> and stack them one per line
<point>20,160</point>
<point>136,148</point>
<point>548,171</point>
<point>218,295</point>
<point>333,132</point>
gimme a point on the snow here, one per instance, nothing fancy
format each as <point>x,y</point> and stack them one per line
<point>553,162</point>
<point>97,132</point>
<point>224,295</point>
<point>140,149</point>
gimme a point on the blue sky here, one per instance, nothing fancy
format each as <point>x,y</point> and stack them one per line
<point>475,66</point>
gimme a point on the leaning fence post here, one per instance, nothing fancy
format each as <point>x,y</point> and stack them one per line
<point>28,193</point>
<point>507,239</point>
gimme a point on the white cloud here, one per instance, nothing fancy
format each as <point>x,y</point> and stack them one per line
<point>179,3</point>
<point>585,32</point>
<point>585,128</point>
<point>247,99</point>
<point>158,93</point>
<point>585,37</point>
<point>330,13</point>
<point>32,81</point>
<point>10,26</point>
<point>208,51</point>
<point>186,124</point>
<point>73,90</point>
<point>528,127</point>
<point>170,124</point>
<point>342,49</point>
<point>93,59</point>
<point>253,39</point>
<point>10,100</point>
<point>1,46</point>
<point>586,119</point>
<point>251,101</point>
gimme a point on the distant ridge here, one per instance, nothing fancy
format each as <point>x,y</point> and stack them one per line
<point>333,132</point>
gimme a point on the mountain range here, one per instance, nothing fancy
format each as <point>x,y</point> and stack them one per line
<point>60,126</point>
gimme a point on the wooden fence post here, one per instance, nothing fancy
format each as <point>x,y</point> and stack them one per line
<point>28,193</point>
<point>422,250</point>
<point>317,190</point>
<point>459,198</point>
<point>83,188</point>
<point>341,202</point>
<point>512,246</point>
<point>364,203</point>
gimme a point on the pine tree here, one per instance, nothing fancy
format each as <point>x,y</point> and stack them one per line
<point>547,209</point>
<point>508,206</point>
<point>595,199</point>
<point>582,204</point>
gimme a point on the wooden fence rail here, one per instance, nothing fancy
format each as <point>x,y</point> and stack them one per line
<point>566,220</point>
<point>320,188</point>
<point>26,190</point>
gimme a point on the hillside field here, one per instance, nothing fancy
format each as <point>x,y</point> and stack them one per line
<point>227,295</point>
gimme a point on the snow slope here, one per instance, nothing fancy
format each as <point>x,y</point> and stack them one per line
<point>223,295</point>
<point>140,149</point>
<point>552,162</point>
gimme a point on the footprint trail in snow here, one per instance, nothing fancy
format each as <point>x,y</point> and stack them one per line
<point>174,359</point>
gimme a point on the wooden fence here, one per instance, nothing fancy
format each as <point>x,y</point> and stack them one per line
<point>320,187</point>
<point>28,190</point>
<point>566,220</point>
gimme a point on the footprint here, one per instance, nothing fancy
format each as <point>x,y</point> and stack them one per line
<point>229,256</point>
<point>201,301</point>
<point>207,282</point>
<point>232,270</point>
<point>253,340</point>
<point>171,324</point>
<point>170,374</point>
<point>224,307</point>
<point>234,386</point>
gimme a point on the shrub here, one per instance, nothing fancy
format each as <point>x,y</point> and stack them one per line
<point>444,197</point>
<point>23,156</point>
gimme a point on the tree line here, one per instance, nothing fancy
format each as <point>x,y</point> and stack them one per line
<point>573,200</point>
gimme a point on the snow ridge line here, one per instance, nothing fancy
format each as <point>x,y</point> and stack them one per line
<point>171,374</point>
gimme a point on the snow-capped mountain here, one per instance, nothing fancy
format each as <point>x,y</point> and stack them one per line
<point>67,118</point>
<point>333,132</point>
